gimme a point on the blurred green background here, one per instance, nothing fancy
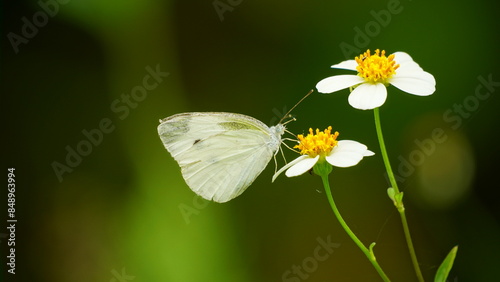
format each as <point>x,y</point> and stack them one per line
<point>123,212</point>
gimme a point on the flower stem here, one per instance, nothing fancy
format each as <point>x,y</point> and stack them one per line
<point>398,196</point>
<point>368,252</point>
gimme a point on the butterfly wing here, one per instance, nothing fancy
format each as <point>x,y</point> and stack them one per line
<point>220,154</point>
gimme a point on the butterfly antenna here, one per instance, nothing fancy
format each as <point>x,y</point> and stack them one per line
<point>288,114</point>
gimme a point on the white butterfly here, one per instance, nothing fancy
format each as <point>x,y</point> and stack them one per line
<point>220,154</point>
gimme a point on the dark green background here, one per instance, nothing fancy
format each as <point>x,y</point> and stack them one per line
<point>120,208</point>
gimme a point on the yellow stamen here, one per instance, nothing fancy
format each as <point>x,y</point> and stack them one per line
<point>376,68</point>
<point>320,143</point>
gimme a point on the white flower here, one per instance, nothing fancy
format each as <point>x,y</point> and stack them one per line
<point>375,73</point>
<point>324,146</point>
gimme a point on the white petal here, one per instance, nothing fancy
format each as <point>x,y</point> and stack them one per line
<point>302,166</point>
<point>418,82</point>
<point>368,153</point>
<point>350,146</point>
<point>344,159</point>
<point>368,96</point>
<point>289,165</point>
<point>348,153</point>
<point>402,57</point>
<point>346,65</point>
<point>338,82</point>
<point>408,67</point>
<point>405,62</point>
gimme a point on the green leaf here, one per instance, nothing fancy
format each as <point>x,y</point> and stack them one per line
<point>445,267</point>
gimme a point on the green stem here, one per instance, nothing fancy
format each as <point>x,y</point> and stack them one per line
<point>398,198</point>
<point>368,252</point>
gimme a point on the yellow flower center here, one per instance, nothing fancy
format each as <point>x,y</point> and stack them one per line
<point>376,68</point>
<point>320,143</point>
